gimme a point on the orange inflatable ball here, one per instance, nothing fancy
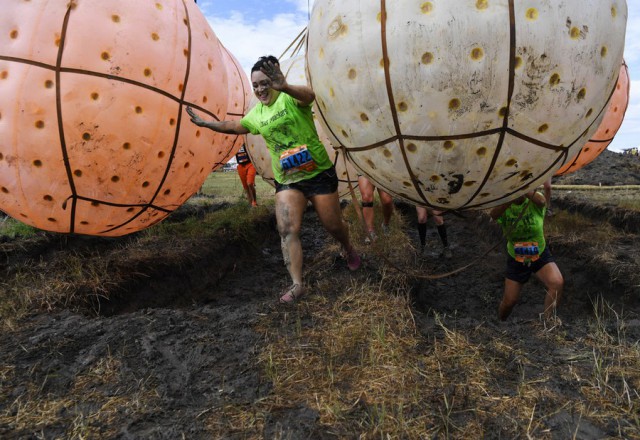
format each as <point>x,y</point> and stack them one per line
<point>239,96</point>
<point>608,127</point>
<point>94,136</point>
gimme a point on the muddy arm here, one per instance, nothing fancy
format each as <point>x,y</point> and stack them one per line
<point>228,127</point>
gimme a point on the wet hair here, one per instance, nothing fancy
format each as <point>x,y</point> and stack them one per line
<point>262,61</point>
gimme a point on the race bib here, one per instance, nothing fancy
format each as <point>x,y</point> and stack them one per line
<point>526,251</point>
<point>297,159</point>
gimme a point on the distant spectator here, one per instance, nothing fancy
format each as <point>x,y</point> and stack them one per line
<point>247,173</point>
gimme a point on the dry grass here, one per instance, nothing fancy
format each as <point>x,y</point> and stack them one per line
<point>599,241</point>
<point>368,372</point>
<point>89,407</point>
<point>360,362</point>
<point>622,196</point>
<point>612,389</point>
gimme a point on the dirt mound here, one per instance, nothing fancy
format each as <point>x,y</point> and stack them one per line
<point>608,169</point>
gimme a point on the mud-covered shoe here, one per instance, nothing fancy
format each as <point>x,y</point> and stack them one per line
<point>446,253</point>
<point>353,260</point>
<point>385,229</point>
<point>370,238</point>
<point>292,294</point>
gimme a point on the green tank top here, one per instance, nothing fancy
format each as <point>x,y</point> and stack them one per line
<point>284,126</point>
<point>530,227</point>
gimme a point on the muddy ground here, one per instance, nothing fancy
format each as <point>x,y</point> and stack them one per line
<point>186,338</point>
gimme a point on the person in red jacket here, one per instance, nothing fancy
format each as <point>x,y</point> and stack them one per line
<point>247,173</point>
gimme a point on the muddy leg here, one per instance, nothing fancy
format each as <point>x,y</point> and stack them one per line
<point>510,298</point>
<point>290,206</point>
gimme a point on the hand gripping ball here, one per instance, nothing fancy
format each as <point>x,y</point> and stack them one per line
<point>94,136</point>
<point>294,70</point>
<point>607,129</point>
<point>463,104</point>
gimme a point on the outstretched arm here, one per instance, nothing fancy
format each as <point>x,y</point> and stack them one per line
<point>303,94</point>
<point>229,127</point>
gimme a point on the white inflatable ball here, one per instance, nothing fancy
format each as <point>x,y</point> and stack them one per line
<point>463,104</point>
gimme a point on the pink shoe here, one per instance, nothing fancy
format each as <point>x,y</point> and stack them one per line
<point>353,260</point>
<point>292,294</point>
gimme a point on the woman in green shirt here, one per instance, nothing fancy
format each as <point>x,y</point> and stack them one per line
<point>522,222</point>
<point>302,169</point>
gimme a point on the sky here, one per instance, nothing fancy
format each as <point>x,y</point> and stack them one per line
<point>252,28</point>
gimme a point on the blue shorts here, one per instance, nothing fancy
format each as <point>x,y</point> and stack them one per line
<point>324,183</point>
<point>521,272</point>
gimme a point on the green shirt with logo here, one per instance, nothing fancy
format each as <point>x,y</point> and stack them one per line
<point>529,228</point>
<point>285,125</point>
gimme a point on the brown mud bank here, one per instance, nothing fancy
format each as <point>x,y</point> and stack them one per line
<point>178,341</point>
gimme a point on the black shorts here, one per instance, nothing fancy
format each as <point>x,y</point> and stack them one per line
<point>521,272</point>
<point>324,183</point>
